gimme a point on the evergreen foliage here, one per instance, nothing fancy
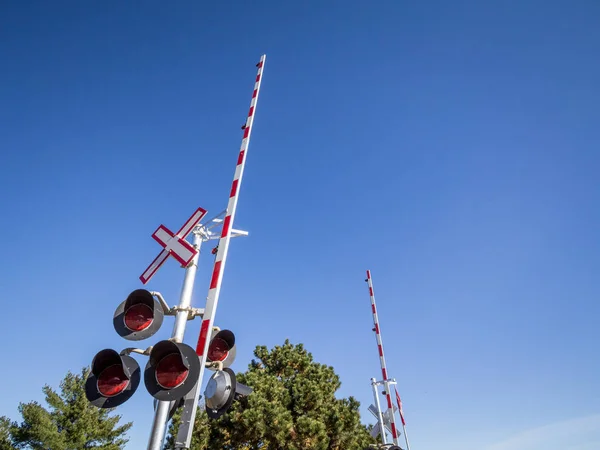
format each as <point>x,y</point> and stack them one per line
<point>69,423</point>
<point>293,407</point>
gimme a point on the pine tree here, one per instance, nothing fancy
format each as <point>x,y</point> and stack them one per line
<point>293,407</point>
<point>5,435</point>
<point>70,423</point>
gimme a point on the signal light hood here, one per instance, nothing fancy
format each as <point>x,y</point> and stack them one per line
<point>138,297</point>
<point>188,358</point>
<point>104,359</point>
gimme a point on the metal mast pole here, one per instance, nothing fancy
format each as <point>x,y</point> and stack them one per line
<point>161,415</point>
<point>385,380</point>
<point>184,437</point>
<point>379,415</point>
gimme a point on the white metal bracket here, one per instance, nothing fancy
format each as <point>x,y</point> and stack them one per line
<point>163,303</point>
<point>129,350</point>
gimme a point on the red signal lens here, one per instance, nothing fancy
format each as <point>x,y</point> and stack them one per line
<point>112,381</point>
<point>139,317</point>
<point>170,371</point>
<point>217,350</point>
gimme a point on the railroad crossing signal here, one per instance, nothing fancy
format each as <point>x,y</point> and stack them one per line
<point>113,379</point>
<point>173,375</point>
<point>385,419</point>
<point>139,316</point>
<point>172,370</point>
<point>222,388</point>
<point>221,349</point>
<point>173,367</point>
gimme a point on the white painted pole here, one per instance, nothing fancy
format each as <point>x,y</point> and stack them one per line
<point>161,415</point>
<point>379,414</point>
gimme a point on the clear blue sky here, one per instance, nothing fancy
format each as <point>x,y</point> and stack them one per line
<point>450,147</point>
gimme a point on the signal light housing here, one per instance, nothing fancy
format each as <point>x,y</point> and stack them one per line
<point>113,379</point>
<point>172,370</point>
<point>139,316</point>
<point>221,348</point>
<point>222,389</point>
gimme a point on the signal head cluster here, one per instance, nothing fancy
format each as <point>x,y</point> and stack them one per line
<point>173,368</point>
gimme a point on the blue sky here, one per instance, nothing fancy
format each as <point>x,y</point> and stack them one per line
<point>449,147</point>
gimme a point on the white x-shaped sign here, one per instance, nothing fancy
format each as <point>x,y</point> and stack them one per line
<point>174,244</point>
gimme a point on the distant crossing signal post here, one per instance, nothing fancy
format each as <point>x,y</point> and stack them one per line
<point>386,419</point>
<point>174,371</point>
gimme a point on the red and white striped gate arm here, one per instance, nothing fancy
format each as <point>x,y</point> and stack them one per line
<point>402,417</point>
<point>384,373</point>
<point>217,276</point>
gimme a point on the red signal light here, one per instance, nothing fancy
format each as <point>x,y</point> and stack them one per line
<point>112,381</point>
<point>138,317</point>
<point>171,372</point>
<point>221,348</point>
<point>217,350</point>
